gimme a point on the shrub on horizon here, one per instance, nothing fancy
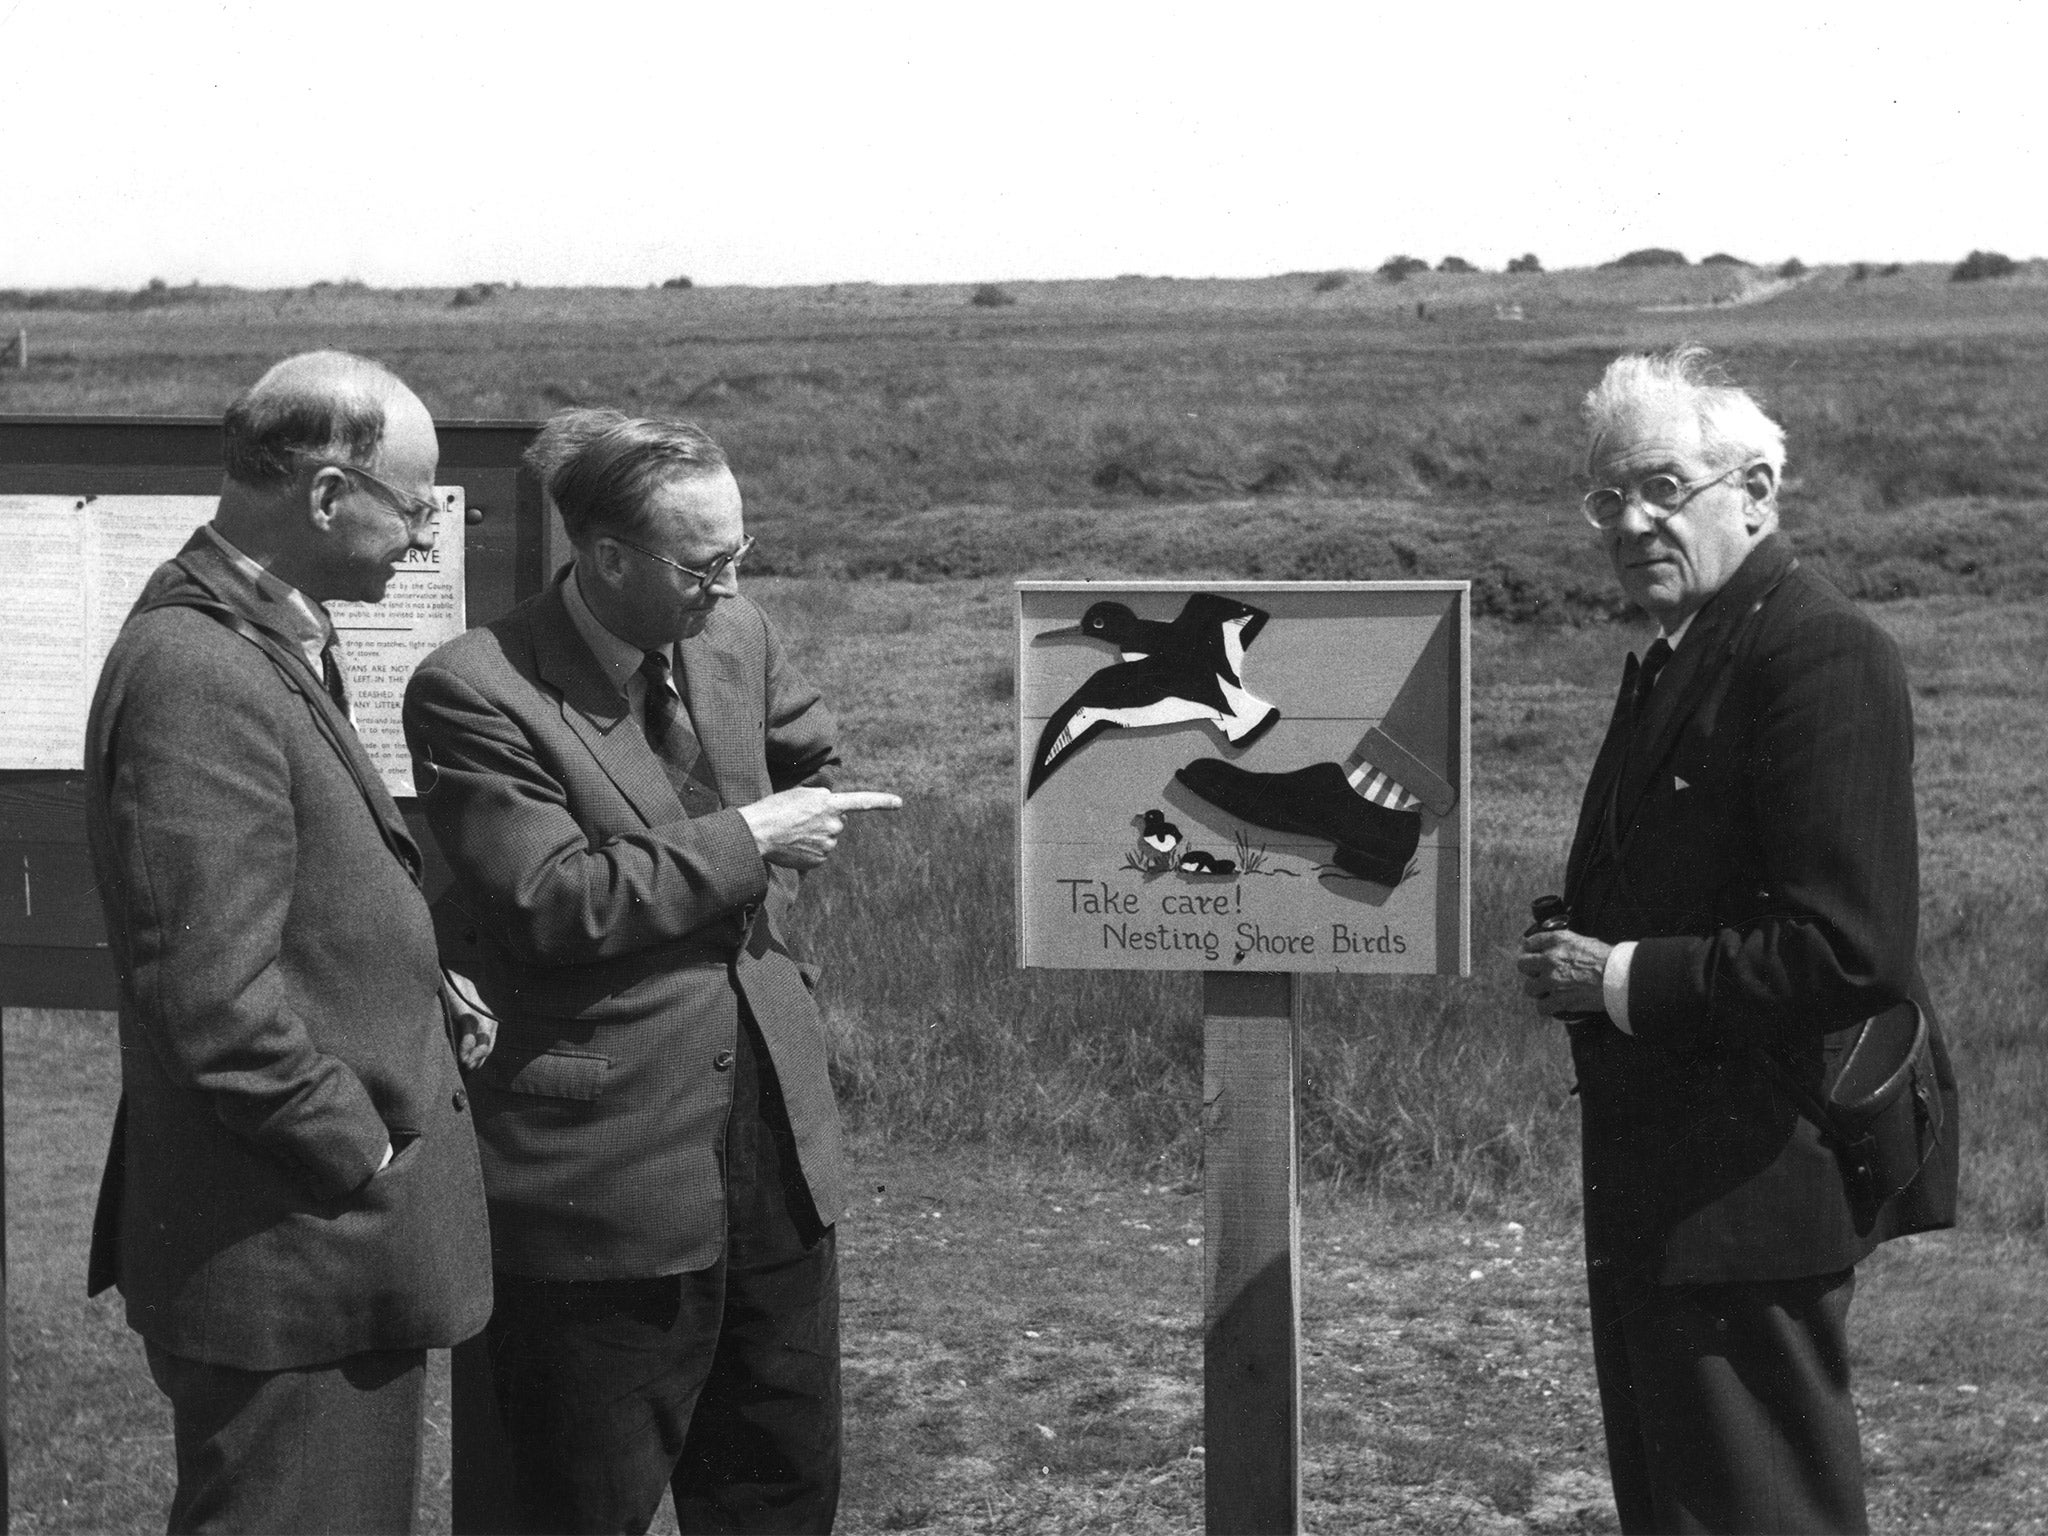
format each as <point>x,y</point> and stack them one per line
<point>1723,259</point>
<point>475,293</point>
<point>991,296</point>
<point>1891,269</point>
<point>1649,256</point>
<point>1395,269</point>
<point>678,282</point>
<point>1455,264</point>
<point>1982,264</point>
<point>1792,266</point>
<point>1330,282</point>
<point>1525,263</point>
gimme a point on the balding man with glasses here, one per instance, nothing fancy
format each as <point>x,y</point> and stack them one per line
<point>624,775</point>
<point>1742,889</point>
<point>292,1205</point>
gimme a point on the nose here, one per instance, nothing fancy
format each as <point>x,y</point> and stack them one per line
<point>423,534</point>
<point>725,584</point>
<point>1635,519</point>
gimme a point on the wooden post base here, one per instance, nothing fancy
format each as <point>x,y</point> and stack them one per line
<point>1251,1268</point>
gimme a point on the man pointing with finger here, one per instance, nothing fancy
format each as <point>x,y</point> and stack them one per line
<point>622,773</point>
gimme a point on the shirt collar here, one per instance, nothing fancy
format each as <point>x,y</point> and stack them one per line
<point>287,609</point>
<point>620,659</point>
<point>1673,636</point>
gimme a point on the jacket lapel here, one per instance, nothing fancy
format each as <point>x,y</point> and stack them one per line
<point>727,730</point>
<point>1600,787</point>
<point>598,714</point>
<point>1693,668</point>
<point>211,577</point>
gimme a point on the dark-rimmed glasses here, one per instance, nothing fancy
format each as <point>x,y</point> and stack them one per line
<point>416,512</point>
<point>1662,494</point>
<point>706,579</point>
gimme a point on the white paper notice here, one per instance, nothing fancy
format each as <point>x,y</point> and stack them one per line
<point>71,567</point>
<point>382,642</point>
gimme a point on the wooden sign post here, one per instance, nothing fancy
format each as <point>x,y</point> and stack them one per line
<point>1253,781</point>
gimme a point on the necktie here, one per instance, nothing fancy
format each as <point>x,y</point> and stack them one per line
<point>331,674</point>
<point>1654,661</point>
<point>674,742</point>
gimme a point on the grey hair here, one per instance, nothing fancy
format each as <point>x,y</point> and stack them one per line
<point>1732,425</point>
<point>318,404</point>
<point>602,468</point>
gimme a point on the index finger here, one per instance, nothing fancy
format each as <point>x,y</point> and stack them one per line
<point>865,800</point>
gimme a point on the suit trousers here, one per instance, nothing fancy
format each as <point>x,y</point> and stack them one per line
<point>332,1448</point>
<point>721,1385</point>
<point>1727,1407</point>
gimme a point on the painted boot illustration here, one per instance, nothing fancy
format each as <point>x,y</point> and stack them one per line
<point>1371,840</point>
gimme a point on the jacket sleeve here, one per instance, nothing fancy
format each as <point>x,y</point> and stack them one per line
<point>199,823</point>
<point>530,873</point>
<point>1829,795</point>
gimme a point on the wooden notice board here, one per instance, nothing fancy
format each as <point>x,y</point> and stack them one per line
<point>1265,776</point>
<point>53,950</point>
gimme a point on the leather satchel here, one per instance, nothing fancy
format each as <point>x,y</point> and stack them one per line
<point>1886,1118</point>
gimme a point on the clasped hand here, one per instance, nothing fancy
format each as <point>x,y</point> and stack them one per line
<point>1563,972</point>
<point>799,827</point>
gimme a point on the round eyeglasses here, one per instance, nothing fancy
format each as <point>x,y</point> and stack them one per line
<point>1662,494</point>
<point>706,579</point>
<point>416,512</point>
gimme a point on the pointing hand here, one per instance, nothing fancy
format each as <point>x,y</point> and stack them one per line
<point>799,827</point>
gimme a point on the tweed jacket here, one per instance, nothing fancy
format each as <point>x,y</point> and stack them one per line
<point>614,934</point>
<point>1755,833</point>
<point>280,1012</point>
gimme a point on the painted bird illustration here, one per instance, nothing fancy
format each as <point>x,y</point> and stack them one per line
<point>1189,669</point>
<point>1196,862</point>
<point>1160,836</point>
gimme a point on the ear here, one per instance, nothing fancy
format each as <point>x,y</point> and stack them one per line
<point>323,493</point>
<point>605,560</point>
<point>1760,484</point>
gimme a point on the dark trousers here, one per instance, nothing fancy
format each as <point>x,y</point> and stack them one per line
<point>334,1448</point>
<point>1727,1407</point>
<point>722,1385</point>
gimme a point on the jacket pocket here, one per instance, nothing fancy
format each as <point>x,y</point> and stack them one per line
<point>549,1074</point>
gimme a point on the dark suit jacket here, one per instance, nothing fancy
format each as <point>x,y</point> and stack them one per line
<point>280,1013</point>
<point>607,926</point>
<point>1759,841</point>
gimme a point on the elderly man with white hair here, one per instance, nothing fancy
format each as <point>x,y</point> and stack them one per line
<point>1742,892</point>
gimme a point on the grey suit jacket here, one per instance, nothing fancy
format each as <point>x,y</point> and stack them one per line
<point>280,1012</point>
<point>614,935</point>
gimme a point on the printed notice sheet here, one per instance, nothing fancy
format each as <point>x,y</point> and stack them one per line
<point>71,567</point>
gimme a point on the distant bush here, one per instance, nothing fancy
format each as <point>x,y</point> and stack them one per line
<point>1982,264</point>
<point>991,296</point>
<point>1330,282</point>
<point>678,282</point>
<point>1723,259</point>
<point>475,293</point>
<point>1650,256</point>
<point>1395,269</point>
<point>1527,263</point>
<point>1859,272</point>
<point>1455,264</point>
<point>1792,266</point>
<point>1891,269</point>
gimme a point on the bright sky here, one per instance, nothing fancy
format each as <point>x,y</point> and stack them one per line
<point>594,141</point>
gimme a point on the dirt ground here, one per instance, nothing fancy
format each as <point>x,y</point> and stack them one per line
<point>1024,1349</point>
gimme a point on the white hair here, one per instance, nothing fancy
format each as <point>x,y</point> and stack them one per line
<point>1732,425</point>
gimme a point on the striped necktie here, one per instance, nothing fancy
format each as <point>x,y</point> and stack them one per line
<point>674,741</point>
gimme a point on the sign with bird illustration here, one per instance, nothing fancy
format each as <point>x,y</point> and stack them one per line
<point>1255,776</point>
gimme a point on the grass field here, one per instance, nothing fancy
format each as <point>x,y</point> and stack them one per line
<point>1036,1134</point>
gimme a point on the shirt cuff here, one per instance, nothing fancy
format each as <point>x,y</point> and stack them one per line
<point>1614,984</point>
